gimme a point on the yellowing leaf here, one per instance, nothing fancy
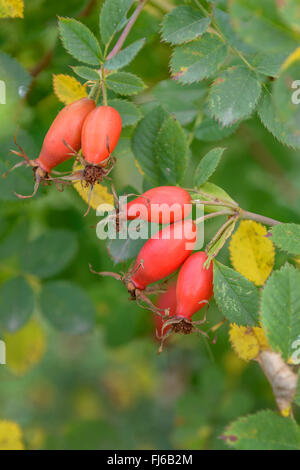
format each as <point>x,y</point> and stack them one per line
<point>247,342</point>
<point>251,253</point>
<point>11,9</point>
<point>11,436</point>
<point>100,193</point>
<point>68,89</point>
<point>25,348</point>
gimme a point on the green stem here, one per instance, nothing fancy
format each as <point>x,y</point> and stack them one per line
<point>212,215</point>
<point>103,85</point>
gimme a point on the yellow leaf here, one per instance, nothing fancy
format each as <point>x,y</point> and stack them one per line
<point>251,253</point>
<point>100,193</point>
<point>25,348</point>
<point>11,436</point>
<point>247,342</point>
<point>68,89</point>
<point>11,9</point>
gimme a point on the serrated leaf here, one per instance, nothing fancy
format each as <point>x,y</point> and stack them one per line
<point>68,89</point>
<point>280,310</point>
<point>234,95</point>
<point>125,83</point>
<point>287,237</point>
<point>259,25</point>
<point>67,307</point>
<point>11,9</point>
<point>113,17</point>
<point>144,144</point>
<point>290,13</point>
<point>79,41</point>
<point>267,64</point>
<point>273,123</point>
<point>237,298</point>
<point>183,24</point>
<point>25,348</point>
<point>207,166</point>
<point>209,130</point>
<point>129,112</point>
<point>247,342</point>
<point>251,252</point>
<point>125,56</point>
<point>86,72</point>
<point>15,310</point>
<point>265,430</point>
<point>286,92</point>
<point>224,24</point>
<point>49,254</point>
<point>171,150</point>
<point>198,59</point>
<point>180,100</point>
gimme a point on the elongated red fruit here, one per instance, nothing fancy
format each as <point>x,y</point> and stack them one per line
<point>67,126</point>
<point>100,134</point>
<point>164,253</point>
<point>167,300</point>
<point>164,204</point>
<point>194,285</point>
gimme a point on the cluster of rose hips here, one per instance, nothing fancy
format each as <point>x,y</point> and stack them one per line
<point>96,131</point>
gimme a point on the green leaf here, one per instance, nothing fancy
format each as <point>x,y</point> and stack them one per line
<point>86,72</point>
<point>180,100</point>
<point>125,56</point>
<point>113,17</point>
<point>260,26</point>
<point>211,192</point>
<point>267,64</point>
<point>79,41</point>
<point>265,430</point>
<point>287,237</point>
<point>15,239</point>
<point>207,166</point>
<point>183,24</point>
<point>172,150</point>
<point>209,130</point>
<point>224,24</point>
<point>67,307</point>
<point>123,250</point>
<point>125,83</point>
<point>234,95</point>
<point>237,298</point>
<point>130,113</point>
<point>286,94</point>
<point>270,119</point>
<point>144,143</point>
<point>16,304</point>
<point>17,81</point>
<point>198,59</point>
<point>290,13</point>
<point>280,309</point>
<point>49,254</point>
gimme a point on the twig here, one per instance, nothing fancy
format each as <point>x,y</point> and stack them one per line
<point>258,218</point>
<point>122,38</point>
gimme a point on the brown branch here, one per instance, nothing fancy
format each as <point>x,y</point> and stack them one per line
<point>281,377</point>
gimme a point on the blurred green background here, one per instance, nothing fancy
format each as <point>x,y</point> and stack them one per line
<point>83,372</point>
